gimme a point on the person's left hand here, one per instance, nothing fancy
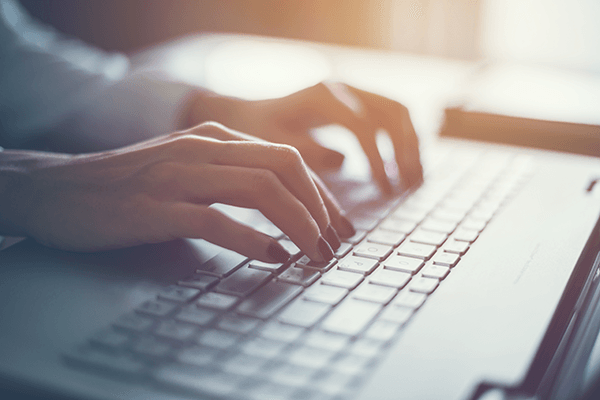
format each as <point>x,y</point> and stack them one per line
<point>288,120</point>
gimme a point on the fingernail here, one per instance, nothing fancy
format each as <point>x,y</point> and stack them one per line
<point>324,249</point>
<point>277,252</point>
<point>332,237</point>
<point>349,230</point>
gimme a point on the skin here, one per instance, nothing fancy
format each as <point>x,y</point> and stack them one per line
<point>162,189</point>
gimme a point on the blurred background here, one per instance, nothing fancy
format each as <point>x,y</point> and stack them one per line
<point>564,33</point>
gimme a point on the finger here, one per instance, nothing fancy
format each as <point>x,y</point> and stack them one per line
<point>199,221</point>
<point>338,218</point>
<point>395,119</point>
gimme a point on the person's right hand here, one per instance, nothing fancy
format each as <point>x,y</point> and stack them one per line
<point>161,189</point>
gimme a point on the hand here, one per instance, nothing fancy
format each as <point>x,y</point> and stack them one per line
<point>288,119</point>
<point>161,189</point>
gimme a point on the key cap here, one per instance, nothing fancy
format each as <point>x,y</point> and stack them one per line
<point>403,264</point>
<point>305,262</point>
<point>299,276</point>
<point>303,313</point>
<point>350,317</point>
<point>359,265</point>
<point>178,294</point>
<point>343,279</point>
<point>409,299</point>
<point>151,347</point>
<point>110,339</point>
<point>310,357</point>
<point>436,225</point>
<point>282,332</point>
<point>382,330</point>
<point>386,237</point>
<point>274,268</point>
<point>243,281</point>
<point>199,356</point>
<point>334,384</point>
<point>223,264</point>
<point>398,315</point>
<point>196,315</point>
<point>201,282</point>
<point>238,324</point>
<point>156,308</point>
<point>416,250</point>
<point>291,375</point>
<point>364,222</point>
<point>343,250</point>
<point>427,237</point>
<point>351,364</point>
<point>465,235</point>
<point>325,294</point>
<point>366,347</point>
<point>473,224</point>
<point>358,236</point>
<point>217,301</point>
<point>372,250</point>
<point>421,284</point>
<point>208,382</point>
<point>442,214</point>
<point>453,246</point>
<point>374,293</point>
<point>435,271</point>
<point>326,340</point>
<point>445,259</point>
<point>410,214</point>
<point>116,363</point>
<point>268,299</point>
<point>268,390</point>
<point>398,225</point>
<point>133,322</point>
<point>290,247</point>
<point>391,278</point>
<point>175,331</point>
<point>244,364</point>
<point>218,339</point>
<point>261,347</point>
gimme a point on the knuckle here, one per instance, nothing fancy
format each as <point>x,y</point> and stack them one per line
<point>263,181</point>
<point>289,156</point>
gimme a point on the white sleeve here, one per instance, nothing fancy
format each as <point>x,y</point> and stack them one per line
<point>59,86</point>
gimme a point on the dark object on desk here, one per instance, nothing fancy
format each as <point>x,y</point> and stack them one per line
<point>552,135</point>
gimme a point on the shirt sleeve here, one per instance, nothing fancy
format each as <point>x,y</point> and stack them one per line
<point>57,86</point>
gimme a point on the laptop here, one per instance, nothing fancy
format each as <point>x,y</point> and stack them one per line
<point>480,284</point>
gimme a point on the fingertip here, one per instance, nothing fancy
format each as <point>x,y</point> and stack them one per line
<point>277,253</point>
<point>332,237</point>
<point>324,249</point>
<point>347,228</point>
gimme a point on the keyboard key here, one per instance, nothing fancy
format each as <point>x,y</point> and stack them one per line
<point>343,250</point>
<point>421,284</point>
<point>133,322</point>
<point>218,339</point>
<point>175,331</point>
<point>391,278</point>
<point>261,347</point>
<point>372,250</point>
<point>453,246</point>
<point>465,235</point>
<point>374,293</point>
<point>435,271</point>
<point>445,259</point>
<point>208,382</point>
<point>299,276</point>
<point>116,363</point>
<point>157,308</point>
<point>381,330</point>
<point>416,250</point>
<point>244,364</point>
<point>396,314</point>
<point>290,247</point>
<point>243,281</point>
<point>343,279</point>
<point>310,357</point>
<point>403,264</point>
<point>217,301</point>
<point>473,224</point>
<point>223,264</point>
<point>201,282</point>
<point>238,324</point>
<point>269,390</point>
<point>199,356</point>
<point>366,347</point>
<point>398,225</point>
<point>305,262</point>
<point>351,364</point>
<point>325,294</point>
<point>151,347</point>
<point>326,340</point>
<point>428,237</point>
<point>436,225</point>
<point>268,299</point>
<point>350,317</point>
<point>358,265</point>
<point>282,332</point>
<point>386,237</point>
<point>410,214</point>
<point>110,339</point>
<point>178,294</point>
<point>335,384</point>
<point>409,299</point>
<point>196,315</point>
<point>364,222</point>
<point>274,268</point>
<point>358,236</point>
<point>303,313</point>
<point>442,214</point>
<point>291,375</point>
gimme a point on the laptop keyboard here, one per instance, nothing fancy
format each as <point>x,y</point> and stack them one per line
<point>246,329</point>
